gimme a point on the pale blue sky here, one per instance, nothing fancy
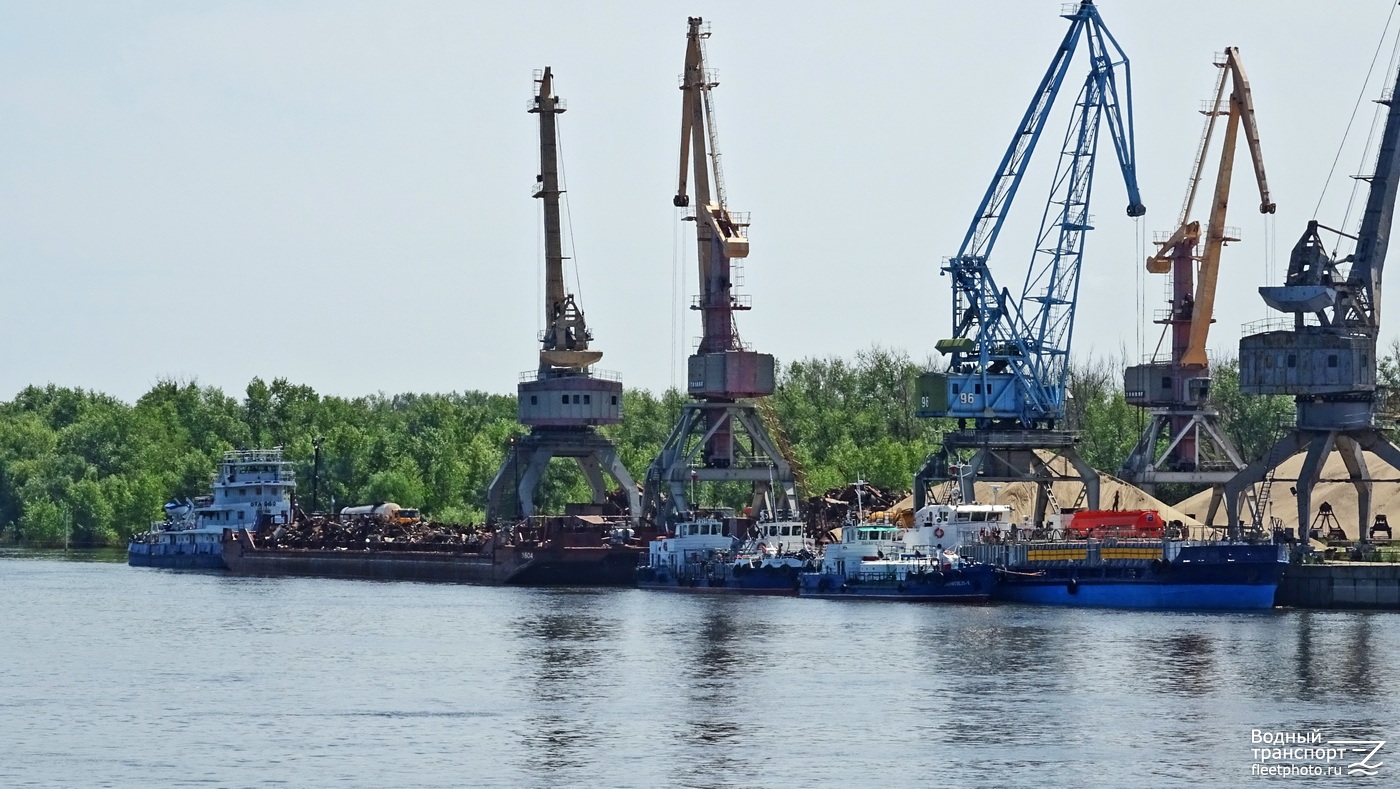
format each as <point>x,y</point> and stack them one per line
<point>339,192</point>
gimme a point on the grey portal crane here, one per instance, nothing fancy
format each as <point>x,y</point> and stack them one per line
<point>1325,356</point>
<point>564,399</point>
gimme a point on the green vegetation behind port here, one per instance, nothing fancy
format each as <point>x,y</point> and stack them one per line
<point>83,467</point>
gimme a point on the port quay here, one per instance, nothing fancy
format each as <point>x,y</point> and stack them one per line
<point>997,397</point>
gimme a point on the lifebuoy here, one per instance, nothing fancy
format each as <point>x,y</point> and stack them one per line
<point>938,532</point>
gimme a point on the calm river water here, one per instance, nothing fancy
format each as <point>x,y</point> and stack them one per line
<point>114,676</point>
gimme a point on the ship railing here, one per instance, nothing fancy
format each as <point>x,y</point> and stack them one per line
<point>244,456</point>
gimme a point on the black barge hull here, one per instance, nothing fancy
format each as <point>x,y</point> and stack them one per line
<point>508,565</point>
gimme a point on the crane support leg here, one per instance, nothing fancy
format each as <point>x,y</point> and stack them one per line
<point>1087,475</point>
<point>1318,451</point>
<point>593,472</point>
<point>1355,459</point>
<point>1251,475</point>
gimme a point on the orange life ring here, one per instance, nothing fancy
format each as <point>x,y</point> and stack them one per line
<point>938,532</point>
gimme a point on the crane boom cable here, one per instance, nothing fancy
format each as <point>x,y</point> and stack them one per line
<point>1203,148</point>
<point>710,127</point>
<point>568,213</point>
<point>1360,96</point>
<point>1367,152</point>
<point>676,312</point>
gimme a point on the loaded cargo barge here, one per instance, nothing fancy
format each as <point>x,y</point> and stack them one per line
<point>1121,559</point>
<point>550,551</point>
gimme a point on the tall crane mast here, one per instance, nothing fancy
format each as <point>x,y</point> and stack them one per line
<point>720,437</point>
<point>1008,358</point>
<point>1176,388</point>
<point>564,399</point>
<point>1324,353</point>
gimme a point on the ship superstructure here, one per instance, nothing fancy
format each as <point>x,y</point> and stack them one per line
<point>251,488</point>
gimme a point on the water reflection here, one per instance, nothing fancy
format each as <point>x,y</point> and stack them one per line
<point>712,659</point>
<point>1179,663</point>
<point>983,659</point>
<point>563,636</point>
<point>1336,653</point>
<point>1355,658</point>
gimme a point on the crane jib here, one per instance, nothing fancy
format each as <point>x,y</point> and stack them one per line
<point>1008,357</point>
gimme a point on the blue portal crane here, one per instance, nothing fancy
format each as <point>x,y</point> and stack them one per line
<point>1008,357</point>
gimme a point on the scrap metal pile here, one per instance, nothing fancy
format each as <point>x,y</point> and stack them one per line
<point>833,508</point>
<point>323,532</point>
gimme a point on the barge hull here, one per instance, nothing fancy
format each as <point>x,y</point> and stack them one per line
<point>242,558</point>
<point>503,565</point>
<point>1146,596</point>
<point>704,588</point>
<point>176,561</point>
<point>878,595</point>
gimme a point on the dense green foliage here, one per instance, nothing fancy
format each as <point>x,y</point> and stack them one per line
<point>84,467</point>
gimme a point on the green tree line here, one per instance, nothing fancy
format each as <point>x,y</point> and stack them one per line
<point>86,468</point>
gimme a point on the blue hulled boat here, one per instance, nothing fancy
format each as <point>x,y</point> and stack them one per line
<point>708,555</point>
<point>251,488</point>
<point>1125,559</point>
<point>879,561</point>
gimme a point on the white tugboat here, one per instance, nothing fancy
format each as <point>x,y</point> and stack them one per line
<point>706,555</point>
<point>251,488</point>
<point>878,560</point>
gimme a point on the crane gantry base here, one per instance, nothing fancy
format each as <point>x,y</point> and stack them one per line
<point>528,457</point>
<point>708,445</point>
<point>1197,427</point>
<point>1352,442</point>
<point>1008,456</point>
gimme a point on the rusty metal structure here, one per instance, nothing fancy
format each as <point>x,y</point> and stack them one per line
<point>564,400</point>
<point>721,436</point>
<point>1324,352</point>
<point>1183,440</point>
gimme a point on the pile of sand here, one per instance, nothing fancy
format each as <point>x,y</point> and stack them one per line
<point>1114,493</point>
<point>1385,495</point>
